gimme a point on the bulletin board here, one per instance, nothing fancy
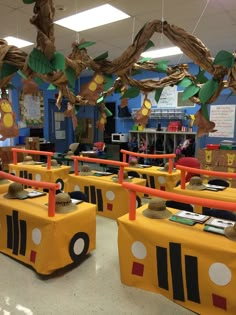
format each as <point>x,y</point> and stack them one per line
<point>224,119</point>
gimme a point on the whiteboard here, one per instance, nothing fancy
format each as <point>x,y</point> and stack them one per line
<point>168,99</point>
<point>224,118</point>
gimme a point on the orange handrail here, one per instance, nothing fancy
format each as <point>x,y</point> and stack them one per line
<point>185,169</point>
<point>48,154</point>
<point>133,189</point>
<point>52,187</point>
<point>169,156</point>
<point>121,165</point>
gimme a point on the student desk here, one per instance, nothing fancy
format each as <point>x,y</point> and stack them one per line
<point>193,268</point>
<point>111,198</point>
<point>228,194</point>
<point>40,173</point>
<point>156,178</point>
<point>46,243</point>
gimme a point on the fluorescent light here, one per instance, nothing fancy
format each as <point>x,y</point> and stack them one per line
<point>17,42</point>
<point>171,51</point>
<point>88,19</point>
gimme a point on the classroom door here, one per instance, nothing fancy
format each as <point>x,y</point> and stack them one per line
<point>60,127</point>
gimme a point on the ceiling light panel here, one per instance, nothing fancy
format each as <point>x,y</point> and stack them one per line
<point>20,43</point>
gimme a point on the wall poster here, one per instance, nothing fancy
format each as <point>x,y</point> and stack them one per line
<point>224,118</point>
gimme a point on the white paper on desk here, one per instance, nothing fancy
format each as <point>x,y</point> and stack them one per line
<point>60,134</point>
<point>192,216</point>
<point>220,223</point>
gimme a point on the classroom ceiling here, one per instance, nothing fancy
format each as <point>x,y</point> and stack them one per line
<point>212,21</point>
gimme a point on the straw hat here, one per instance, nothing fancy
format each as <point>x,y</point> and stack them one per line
<point>195,183</point>
<point>16,191</point>
<point>64,204</point>
<point>85,171</point>
<point>125,178</point>
<point>69,154</point>
<point>73,146</point>
<point>28,160</point>
<point>54,164</point>
<point>133,161</point>
<point>157,209</point>
<point>230,232</point>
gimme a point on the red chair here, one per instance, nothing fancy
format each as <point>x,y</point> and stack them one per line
<point>190,162</point>
<point>99,145</point>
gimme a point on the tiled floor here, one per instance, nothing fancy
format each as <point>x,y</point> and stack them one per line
<point>94,287</point>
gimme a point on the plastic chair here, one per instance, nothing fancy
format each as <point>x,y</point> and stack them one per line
<point>218,182</point>
<point>219,213</point>
<point>190,162</point>
<point>179,205</point>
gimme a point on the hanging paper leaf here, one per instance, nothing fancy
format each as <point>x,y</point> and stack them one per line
<point>145,59</point>
<point>190,91</point>
<point>185,82</point>
<point>131,93</point>
<point>205,111</point>
<point>71,76</point>
<point>101,57</point>
<point>29,1</point>
<point>200,77</point>
<point>207,90</point>
<point>51,87</point>
<point>158,94</point>
<point>85,44</point>
<point>38,80</point>
<point>149,45</point>
<point>58,61</point>
<point>224,58</point>
<point>162,66</point>
<point>108,82</point>
<point>38,62</point>
<point>21,74</point>
<point>7,70</point>
<point>100,99</point>
<point>108,113</point>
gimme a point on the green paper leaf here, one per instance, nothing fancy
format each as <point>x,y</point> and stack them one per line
<point>51,87</point>
<point>185,82</point>
<point>38,80</point>
<point>200,77</point>
<point>71,76</point>
<point>108,82</point>
<point>108,113</point>
<point>145,59</point>
<point>7,70</point>
<point>149,45</point>
<point>207,90</point>
<point>158,94</point>
<point>85,44</point>
<point>29,1</point>
<point>190,91</point>
<point>131,93</point>
<point>205,111</point>
<point>38,62</point>
<point>100,99</point>
<point>21,74</point>
<point>224,58</point>
<point>101,57</point>
<point>162,66</point>
<point>58,61</point>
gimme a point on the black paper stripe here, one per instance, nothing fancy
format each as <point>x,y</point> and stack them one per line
<point>93,194</point>
<point>145,177</point>
<point>25,176</point>
<point>23,237</point>
<point>176,271</point>
<point>86,191</point>
<point>15,232</point>
<point>99,199</point>
<point>162,269</point>
<point>21,174</point>
<point>191,267</point>
<point>30,177</point>
<point>9,232</point>
<point>152,181</point>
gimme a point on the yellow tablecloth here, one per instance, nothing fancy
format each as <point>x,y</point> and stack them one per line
<point>40,173</point>
<point>228,194</point>
<point>46,243</point>
<point>195,269</point>
<point>111,198</point>
<point>156,178</point>
<point>4,184</point>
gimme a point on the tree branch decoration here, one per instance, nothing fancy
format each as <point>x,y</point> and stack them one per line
<point>44,63</point>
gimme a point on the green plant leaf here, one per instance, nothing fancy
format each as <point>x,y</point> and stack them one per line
<point>29,1</point>
<point>71,76</point>
<point>190,91</point>
<point>51,87</point>
<point>162,66</point>
<point>185,82</point>
<point>158,94</point>
<point>38,62</point>
<point>205,111</point>
<point>200,77</point>
<point>108,82</point>
<point>131,92</point>
<point>58,61</point>
<point>101,57</point>
<point>85,44</point>
<point>207,90</point>
<point>149,45</point>
<point>7,70</point>
<point>224,58</point>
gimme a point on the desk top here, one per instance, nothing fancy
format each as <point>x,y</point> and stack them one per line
<point>153,170</point>
<point>39,168</point>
